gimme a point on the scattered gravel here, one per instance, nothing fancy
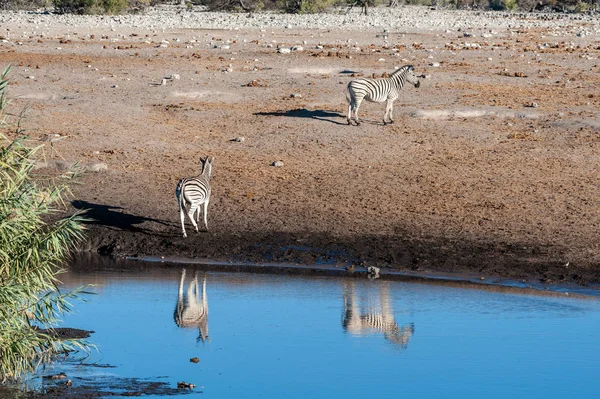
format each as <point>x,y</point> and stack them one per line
<point>404,18</point>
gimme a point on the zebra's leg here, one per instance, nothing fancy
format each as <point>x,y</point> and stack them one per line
<point>349,117</point>
<point>391,115</point>
<point>193,209</point>
<point>206,214</point>
<point>356,107</point>
<point>388,111</point>
<point>182,215</point>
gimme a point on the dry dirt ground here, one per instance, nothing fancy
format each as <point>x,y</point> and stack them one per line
<point>491,169</point>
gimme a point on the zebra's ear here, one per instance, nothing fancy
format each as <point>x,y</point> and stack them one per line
<point>411,68</point>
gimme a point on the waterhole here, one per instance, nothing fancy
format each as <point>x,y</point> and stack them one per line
<point>241,335</point>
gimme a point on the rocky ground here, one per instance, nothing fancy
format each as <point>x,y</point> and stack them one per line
<point>491,168</point>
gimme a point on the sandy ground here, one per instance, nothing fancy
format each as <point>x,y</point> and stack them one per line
<point>491,169</point>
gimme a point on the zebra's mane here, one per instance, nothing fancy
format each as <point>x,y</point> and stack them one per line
<point>403,69</point>
<point>206,164</point>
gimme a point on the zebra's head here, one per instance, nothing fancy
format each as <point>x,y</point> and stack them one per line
<point>207,165</point>
<point>411,77</point>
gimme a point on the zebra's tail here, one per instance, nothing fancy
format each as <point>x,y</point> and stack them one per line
<point>348,95</point>
<point>179,194</point>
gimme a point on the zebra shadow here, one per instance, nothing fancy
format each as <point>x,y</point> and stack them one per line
<point>378,318</point>
<point>318,114</point>
<point>191,310</point>
<point>111,216</point>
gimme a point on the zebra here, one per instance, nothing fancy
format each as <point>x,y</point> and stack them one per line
<point>195,191</point>
<point>376,319</point>
<point>379,90</point>
<point>190,310</point>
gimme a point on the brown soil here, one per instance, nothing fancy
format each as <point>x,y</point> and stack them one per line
<point>491,169</point>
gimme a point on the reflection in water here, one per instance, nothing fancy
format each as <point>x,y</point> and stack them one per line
<point>191,311</point>
<point>379,317</point>
<point>500,340</point>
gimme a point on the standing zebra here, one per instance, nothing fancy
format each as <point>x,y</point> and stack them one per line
<point>191,311</point>
<point>379,318</point>
<point>195,191</point>
<point>379,90</point>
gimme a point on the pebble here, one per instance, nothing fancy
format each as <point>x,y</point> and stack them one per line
<point>284,50</point>
<point>277,164</point>
<point>96,167</point>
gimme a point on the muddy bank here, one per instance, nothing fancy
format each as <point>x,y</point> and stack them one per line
<point>424,256</point>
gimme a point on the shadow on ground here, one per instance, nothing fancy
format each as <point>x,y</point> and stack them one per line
<point>112,217</point>
<point>318,114</point>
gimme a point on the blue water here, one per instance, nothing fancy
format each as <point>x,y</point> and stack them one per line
<point>284,337</point>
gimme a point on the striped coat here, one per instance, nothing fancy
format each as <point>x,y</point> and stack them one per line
<point>194,191</point>
<point>379,90</point>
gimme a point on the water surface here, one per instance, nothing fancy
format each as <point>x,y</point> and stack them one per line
<point>268,336</point>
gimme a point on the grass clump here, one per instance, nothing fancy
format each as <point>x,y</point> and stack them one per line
<point>31,254</point>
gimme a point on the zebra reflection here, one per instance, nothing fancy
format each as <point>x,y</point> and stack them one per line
<point>191,310</point>
<point>359,320</point>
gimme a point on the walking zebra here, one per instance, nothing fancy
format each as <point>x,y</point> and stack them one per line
<point>379,90</point>
<point>375,319</point>
<point>190,310</point>
<point>192,192</point>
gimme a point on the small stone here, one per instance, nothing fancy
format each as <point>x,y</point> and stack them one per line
<point>194,360</point>
<point>298,48</point>
<point>284,50</point>
<point>434,64</point>
<point>239,139</point>
<point>97,167</point>
<point>277,164</point>
<point>185,385</point>
<point>295,95</point>
<point>173,76</point>
<point>372,272</point>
